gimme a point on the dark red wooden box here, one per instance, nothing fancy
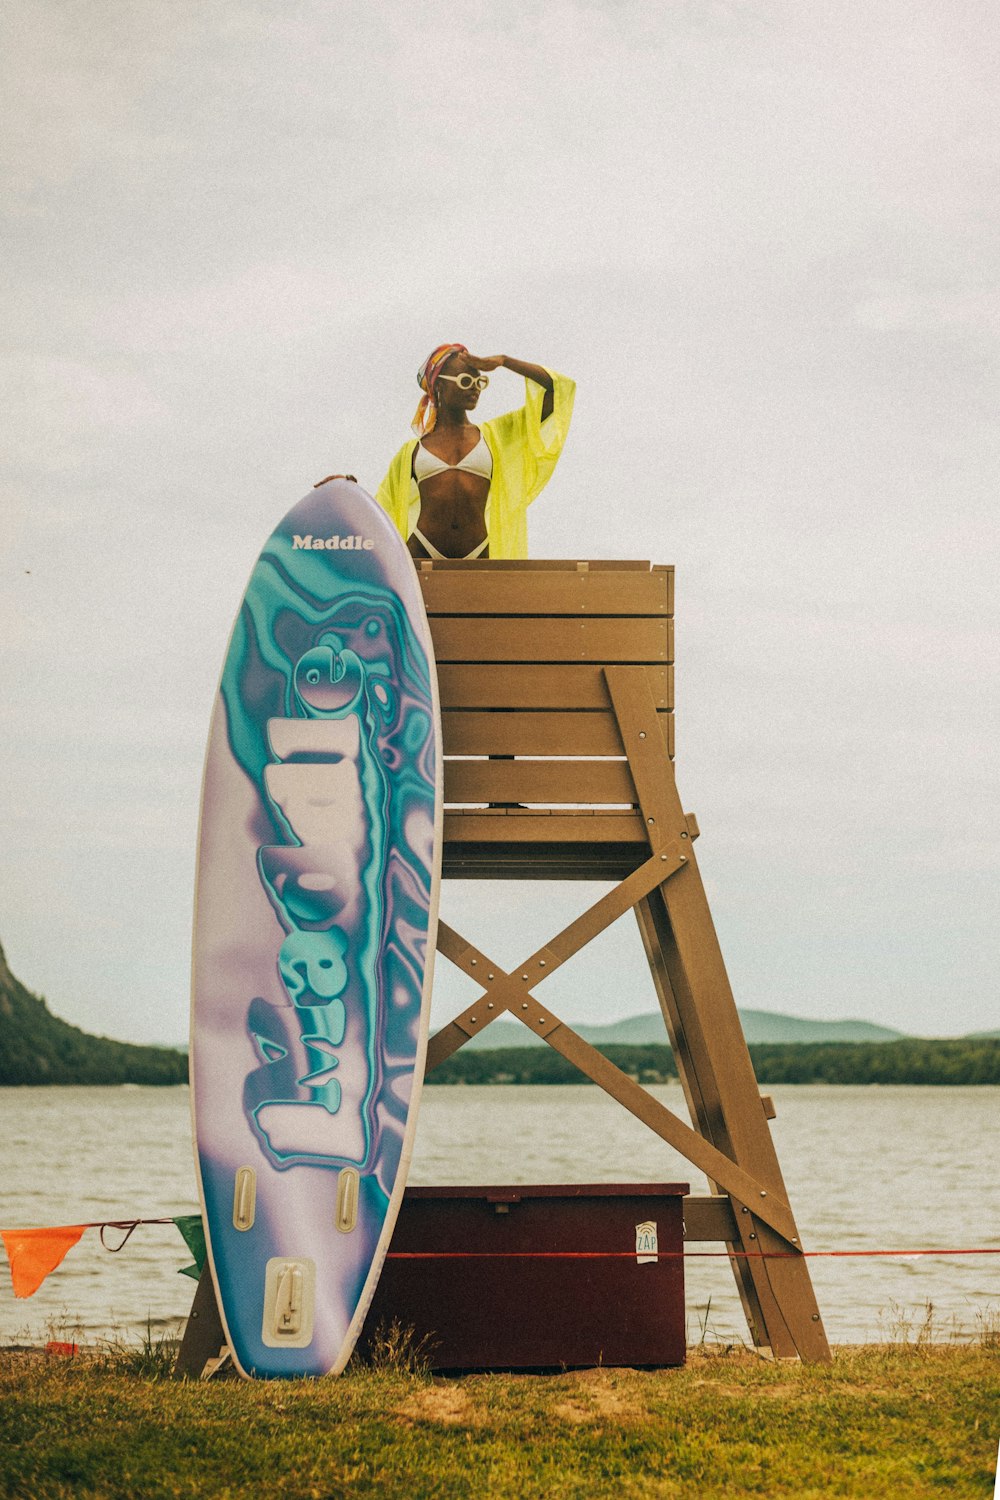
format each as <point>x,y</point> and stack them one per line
<point>485,1304</point>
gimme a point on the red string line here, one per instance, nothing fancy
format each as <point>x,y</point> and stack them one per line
<point>661,1254</point>
<point>129,1226</point>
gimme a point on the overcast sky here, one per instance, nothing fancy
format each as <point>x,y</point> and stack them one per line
<point>761,236</point>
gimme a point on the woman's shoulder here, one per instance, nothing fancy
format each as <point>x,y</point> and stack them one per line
<point>397,476</point>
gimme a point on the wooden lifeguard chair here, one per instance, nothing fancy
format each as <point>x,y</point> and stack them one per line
<point>556,683</point>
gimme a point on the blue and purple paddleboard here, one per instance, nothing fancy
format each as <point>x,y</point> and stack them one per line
<point>315,926</point>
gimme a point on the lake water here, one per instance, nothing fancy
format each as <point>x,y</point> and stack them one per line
<point>866,1168</point>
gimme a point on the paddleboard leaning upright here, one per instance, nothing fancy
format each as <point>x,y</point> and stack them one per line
<point>315,928</point>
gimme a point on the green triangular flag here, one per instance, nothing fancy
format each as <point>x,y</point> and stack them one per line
<point>193,1231</point>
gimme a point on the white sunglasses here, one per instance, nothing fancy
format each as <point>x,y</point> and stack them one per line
<point>465,382</point>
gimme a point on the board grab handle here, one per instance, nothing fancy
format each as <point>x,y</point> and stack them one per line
<point>348,1193</point>
<point>244,1198</point>
<point>289,1302</point>
<point>288,1308</point>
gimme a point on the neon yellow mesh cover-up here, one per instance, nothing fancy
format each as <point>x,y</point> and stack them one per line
<point>525,451</point>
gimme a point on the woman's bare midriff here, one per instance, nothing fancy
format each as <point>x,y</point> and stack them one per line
<point>452,514</point>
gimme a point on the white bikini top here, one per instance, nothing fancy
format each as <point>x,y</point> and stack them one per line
<point>479,461</point>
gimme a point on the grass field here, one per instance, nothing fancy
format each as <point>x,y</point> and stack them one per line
<point>884,1420</point>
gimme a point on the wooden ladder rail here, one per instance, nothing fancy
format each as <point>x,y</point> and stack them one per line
<point>712,1057</point>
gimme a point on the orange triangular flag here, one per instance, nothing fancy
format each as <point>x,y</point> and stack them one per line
<point>33,1253</point>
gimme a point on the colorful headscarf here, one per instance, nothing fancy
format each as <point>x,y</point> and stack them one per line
<point>426,413</point>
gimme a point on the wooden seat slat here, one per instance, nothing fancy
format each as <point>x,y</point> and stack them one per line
<point>527,638</point>
<point>554,861</point>
<point>572,686</point>
<point>546,781</point>
<point>540,564</point>
<point>489,826</point>
<point>472,732</point>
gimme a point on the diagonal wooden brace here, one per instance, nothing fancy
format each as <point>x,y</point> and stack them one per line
<point>719,1168</point>
<point>742,1187</point>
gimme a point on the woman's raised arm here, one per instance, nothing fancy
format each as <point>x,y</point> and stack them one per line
<point>519,367</point>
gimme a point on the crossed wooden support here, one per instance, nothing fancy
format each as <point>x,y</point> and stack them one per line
<point>731,1141</point>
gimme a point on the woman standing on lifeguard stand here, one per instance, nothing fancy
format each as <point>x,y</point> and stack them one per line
<point>458,490</point>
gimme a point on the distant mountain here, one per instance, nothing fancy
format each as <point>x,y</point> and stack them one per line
<point>636,1031</point>
<point>36,1047</point>
<point>772,1026</point>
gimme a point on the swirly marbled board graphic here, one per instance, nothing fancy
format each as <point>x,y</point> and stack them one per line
<point>316,911</point>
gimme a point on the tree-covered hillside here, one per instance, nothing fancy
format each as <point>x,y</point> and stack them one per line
<point>36,1047</point>
<point>912,1060</point>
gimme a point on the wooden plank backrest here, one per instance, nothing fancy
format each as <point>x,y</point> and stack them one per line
<point>537,685</point>
<point>521,649</point>
<point>582,589</point>
<point>553,638</point>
